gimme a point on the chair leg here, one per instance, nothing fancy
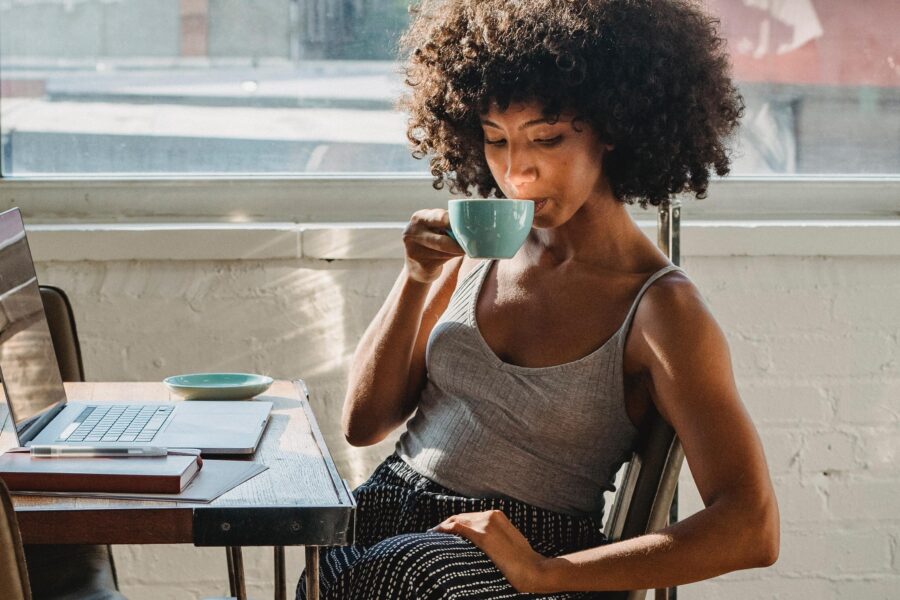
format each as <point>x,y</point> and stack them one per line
<point>280,577</point>
<point>312,573</point>
<point>238,589</point>
<point>112,566</point>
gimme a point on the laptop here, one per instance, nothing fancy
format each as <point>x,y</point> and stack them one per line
<point>36,398</point>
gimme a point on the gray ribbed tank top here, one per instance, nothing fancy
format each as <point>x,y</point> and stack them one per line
<point>551,436</point>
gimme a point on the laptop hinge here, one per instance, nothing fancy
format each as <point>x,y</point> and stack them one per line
<point>37,424</point>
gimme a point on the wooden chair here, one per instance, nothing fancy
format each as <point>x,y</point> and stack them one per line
<point>14,583</point>
<point>13,573</point>
<point>61,321</point>
<point>645,498</point>
<point>91,570</point>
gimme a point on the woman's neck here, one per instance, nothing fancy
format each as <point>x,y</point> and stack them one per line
<point>600,234</point>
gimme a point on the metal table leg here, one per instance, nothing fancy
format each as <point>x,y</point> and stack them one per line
<point>280,578</point>
<point>236,583</point>
<point>312,573</point>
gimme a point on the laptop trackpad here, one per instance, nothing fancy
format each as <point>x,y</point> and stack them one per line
<point>223,427</point>
<point>196,424</point>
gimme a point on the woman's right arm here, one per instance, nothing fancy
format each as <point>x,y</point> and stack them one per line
<point>388,369</point>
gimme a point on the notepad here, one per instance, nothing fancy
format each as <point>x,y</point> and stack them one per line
<point>215,478</point>
<point>168,474</point>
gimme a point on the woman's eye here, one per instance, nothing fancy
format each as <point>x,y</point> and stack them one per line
<point>494,142</point>
<point>549,141</point>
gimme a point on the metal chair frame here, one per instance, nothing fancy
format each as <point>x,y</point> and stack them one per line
<point>647,498</point>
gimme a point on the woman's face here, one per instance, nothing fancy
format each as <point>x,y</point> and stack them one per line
<point>556,165</point>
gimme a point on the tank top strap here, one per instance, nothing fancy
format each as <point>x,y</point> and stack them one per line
<point>472,281</point>
<point>484,265</point>
<point>623,331</point>
<point>463,301</point>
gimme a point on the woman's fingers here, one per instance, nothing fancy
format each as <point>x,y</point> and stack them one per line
<point>433,218</point>
<point>427,246</point>
<point>440,242</point>
<point>460,528</point>
<point>425,224</point>
<point>471,523</point>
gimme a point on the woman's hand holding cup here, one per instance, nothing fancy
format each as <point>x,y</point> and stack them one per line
<point>427,245</point>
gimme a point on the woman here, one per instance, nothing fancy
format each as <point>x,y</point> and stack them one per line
<point>527,379</point>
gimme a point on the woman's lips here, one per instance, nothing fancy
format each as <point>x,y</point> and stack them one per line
<point>539,204</point>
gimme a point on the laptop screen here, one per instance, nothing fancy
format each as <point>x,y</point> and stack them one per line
<point>31,380</point>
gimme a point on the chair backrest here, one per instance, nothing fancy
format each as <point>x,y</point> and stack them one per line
<point>645,495</point>
<point>61,321</point>
<point>13,574</point>
<point>646,492</point>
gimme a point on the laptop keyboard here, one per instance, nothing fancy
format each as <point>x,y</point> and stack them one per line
<point>117,423</point>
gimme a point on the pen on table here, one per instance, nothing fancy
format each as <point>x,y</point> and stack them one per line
<point>67,451</point>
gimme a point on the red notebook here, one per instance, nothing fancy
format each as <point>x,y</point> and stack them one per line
<point>159,475</point>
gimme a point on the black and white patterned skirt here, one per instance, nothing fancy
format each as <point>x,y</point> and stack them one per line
<point>396,558</point>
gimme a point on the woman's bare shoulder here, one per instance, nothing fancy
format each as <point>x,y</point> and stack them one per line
<point>671,312</point>
<point>672,297</point>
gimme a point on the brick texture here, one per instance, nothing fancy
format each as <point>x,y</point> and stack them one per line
<point>814,342</point>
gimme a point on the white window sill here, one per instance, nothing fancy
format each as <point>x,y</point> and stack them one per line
<point>356,217</point>
<point>367,241</point>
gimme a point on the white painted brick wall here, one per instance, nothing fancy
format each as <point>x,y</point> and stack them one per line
<point>815,343</point>
<point>815,349</point>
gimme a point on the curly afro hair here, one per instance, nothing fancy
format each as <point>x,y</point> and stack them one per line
<point>651,77</point>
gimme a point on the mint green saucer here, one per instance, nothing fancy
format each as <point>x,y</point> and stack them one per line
<point>218,386</point>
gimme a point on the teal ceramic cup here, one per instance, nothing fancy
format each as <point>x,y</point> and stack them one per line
<point>494,228</point>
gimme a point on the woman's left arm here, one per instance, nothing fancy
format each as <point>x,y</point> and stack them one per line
<point>688,364</point>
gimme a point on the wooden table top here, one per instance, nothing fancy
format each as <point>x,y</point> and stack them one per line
<point>299,500</point>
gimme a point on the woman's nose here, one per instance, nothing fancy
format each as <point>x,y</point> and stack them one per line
<point>520,169</point>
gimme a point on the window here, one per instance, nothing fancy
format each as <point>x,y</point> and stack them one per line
<point>135,87</point>
<point>286,87</point>
<point>821,80</point>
